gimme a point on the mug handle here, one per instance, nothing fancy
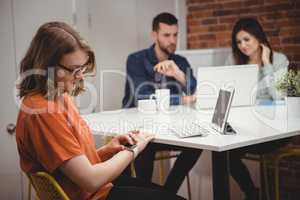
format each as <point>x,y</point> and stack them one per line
<point>152,96</point>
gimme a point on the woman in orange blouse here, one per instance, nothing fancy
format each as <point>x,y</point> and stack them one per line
<point>51,136</point>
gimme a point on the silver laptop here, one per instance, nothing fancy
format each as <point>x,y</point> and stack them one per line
<point>243,78</point>
<point>218,122</point>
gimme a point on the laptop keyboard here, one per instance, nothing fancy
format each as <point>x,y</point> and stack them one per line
<point>191,129</point>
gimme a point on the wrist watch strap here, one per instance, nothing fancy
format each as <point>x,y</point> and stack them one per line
<point>133,149</point>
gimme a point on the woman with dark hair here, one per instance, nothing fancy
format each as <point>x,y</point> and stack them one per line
<point>51,135</point>
<point>250,46</point>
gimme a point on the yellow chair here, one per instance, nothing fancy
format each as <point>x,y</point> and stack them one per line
<point>272,162</point>
<point>46,187</point>
<point>163,155</point>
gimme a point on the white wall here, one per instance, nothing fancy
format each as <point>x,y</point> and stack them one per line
<point>112,34</point>
<point>10,176</point>
<point>29,15</point>
<point>205,57</point>
<point>181,13</point>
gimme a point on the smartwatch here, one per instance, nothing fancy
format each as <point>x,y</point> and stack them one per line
<point>132,148</point>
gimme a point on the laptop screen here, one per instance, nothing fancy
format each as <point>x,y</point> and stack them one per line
<point>223,101</point>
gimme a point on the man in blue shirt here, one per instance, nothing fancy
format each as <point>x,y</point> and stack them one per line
<point>158,67</point>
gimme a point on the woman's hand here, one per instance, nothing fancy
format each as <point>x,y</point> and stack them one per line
<point>118,142</point>
<point>141,139</point>
<point>82,172</point>
<point>265,55</point>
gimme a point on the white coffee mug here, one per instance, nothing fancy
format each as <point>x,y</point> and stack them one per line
<point>147,106</point>
<point>162,97</point>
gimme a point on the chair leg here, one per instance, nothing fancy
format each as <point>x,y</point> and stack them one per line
<point>276,169</point>
<point>263,189</point>
<point>29,190</point>
<point>265,177</point>
<point>189,187</point>
<point>161,172</point>
<point>132,169</point>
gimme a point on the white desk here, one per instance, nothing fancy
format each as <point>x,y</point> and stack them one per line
<point>253,125</point>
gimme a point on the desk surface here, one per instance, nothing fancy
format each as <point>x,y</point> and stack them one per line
<point>253,124</point>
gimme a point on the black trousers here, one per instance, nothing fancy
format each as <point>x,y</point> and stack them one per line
<point>184,163</point>
<point>238,169</point>
<point>126,187</point>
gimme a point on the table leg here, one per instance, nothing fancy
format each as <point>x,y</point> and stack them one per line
<point>220,176</point>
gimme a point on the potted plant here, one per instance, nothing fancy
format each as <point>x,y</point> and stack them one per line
<point>289,86</point>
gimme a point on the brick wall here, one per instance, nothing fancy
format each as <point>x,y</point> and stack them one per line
<point>210,22</point>
<point>209,25</point>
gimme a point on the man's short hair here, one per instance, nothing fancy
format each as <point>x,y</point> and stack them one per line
<point>166,18</point>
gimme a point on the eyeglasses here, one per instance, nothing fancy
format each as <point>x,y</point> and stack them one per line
<point>81,69</point>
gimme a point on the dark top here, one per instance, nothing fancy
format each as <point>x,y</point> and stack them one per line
<point>142,80</point>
